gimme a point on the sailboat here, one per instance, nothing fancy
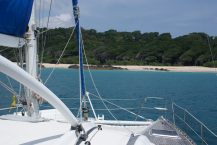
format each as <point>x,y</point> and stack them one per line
<point>60,126</point>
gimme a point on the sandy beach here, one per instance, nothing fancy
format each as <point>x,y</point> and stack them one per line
<point>147,68</point>
<point>49,65</point>
<point>171,68</point>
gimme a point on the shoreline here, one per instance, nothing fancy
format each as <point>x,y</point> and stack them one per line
<point>139,68</point>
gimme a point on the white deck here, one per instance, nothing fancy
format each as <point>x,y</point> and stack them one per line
<point>26,133</point>
<point>50,131</point>
<point>55,130</point>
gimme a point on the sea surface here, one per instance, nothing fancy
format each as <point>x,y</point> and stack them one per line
<point>197,92</point>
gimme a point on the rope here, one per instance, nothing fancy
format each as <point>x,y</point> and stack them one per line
<point>60,55</point>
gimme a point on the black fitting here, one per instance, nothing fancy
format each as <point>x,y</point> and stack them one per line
<point>83,137</point>
<point>99,127</point>
<point>73,128</point>
<point>79,128</point>
<point>87,143</point>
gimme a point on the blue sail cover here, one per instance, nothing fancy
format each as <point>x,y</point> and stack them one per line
<point>14,16</point>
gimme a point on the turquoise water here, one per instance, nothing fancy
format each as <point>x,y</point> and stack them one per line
<point>196,92</point>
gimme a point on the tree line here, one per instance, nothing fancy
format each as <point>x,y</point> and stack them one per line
<point>129,48</point>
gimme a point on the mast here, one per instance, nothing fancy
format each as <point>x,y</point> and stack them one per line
<point>31,64</point>
<point>83,105</point>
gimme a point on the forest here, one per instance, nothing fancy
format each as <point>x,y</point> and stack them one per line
<point>127,48</point>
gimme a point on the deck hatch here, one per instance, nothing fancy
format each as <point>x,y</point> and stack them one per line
<point>168,133</point>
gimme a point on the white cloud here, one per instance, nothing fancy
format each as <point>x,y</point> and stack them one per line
<point>64,17</point>
<point>173,16</point>
<point>61,20</point>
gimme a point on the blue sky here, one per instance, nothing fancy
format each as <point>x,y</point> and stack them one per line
<point>178,17</point>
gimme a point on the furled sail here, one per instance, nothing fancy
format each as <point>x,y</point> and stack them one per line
<point>14,19</point>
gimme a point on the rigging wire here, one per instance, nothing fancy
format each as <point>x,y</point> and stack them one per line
<point>40,33</point>
<point>4,49</point>
<point>46,30</point>
<point>45,38</point>
<point>8,88</point>
<point>15,55</point>
<point>99,96</point>
<point>38,25</point>
<point>39,14</point>
<point>9,81</point>
<point>21,65</point>
<point>73,98</point>
<point>94,82</point>
<point>115,109</point>
<point>120,107</point>
<point>210,49</point>
<point>142,105</point>
<point>70,37</point>
<point>79,73</point>
<point>42,38</point>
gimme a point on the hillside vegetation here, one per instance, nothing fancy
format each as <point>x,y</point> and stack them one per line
<point>130,48</point>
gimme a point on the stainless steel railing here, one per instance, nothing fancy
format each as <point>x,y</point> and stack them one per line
<point>194,125</point>
<point>7,110</point>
